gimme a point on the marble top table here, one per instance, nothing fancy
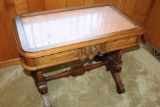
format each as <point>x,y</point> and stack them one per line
<point>50,38</point>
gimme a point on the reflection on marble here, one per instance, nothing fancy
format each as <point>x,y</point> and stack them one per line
<point>55,28</point>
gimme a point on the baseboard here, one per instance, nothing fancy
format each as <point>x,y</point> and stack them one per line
<point>10,62</point>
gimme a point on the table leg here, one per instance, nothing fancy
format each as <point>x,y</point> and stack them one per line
<point>41,84</point>
<point>114,67</point>
<point>119,84</point>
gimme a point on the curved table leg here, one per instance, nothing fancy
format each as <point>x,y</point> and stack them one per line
<point>41,84</point>
<point>119,84</point>
<point>114,66</point>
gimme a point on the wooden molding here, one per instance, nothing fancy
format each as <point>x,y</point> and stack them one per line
<point>10,62</point>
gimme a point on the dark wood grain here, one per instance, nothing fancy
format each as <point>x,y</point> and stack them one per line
<point>9,15</point>
<point>154,34</point>
<point>88,2</point>
<point>129,7</point>
<point>55,4</point>
<point>4,47</point>
<point>149,19</point>
<point>36,5</point>
<point>140,11</point>
<point>152,24</point>
<point>121,4</point>
<point>73,3</point>
<point>20,6</point>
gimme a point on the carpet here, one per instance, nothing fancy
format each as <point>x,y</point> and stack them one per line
<point>140,75</point>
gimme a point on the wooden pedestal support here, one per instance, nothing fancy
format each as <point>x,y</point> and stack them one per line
<point>112,61</point>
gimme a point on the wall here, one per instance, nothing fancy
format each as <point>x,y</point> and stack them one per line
<point>136,9</point>
<point>152,24</point>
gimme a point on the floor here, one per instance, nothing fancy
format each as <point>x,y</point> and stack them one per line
<point>148,47</point>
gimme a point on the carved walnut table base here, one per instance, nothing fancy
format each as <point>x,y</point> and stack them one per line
<point>112,62</point>
<point>59,36</point>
